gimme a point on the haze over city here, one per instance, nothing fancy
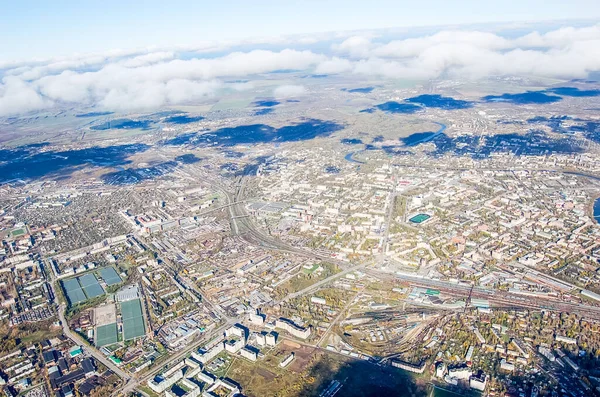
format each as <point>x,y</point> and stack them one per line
<point>335,198</point>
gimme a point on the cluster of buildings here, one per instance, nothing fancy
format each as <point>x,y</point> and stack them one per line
<point>54,363</point>
<point>193,375</point>
<point>24,292</point>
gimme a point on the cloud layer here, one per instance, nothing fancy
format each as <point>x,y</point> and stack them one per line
<point>147,79</point>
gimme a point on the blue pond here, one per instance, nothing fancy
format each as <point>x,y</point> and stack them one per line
<point>93,114</point>
<point>259,133</point>
<point>369,110</point>
<point>422,137</point>
<point>232,154</point>
<point>574,92</point>
<point>597,210</point>
<point>589,128</point>
<point>395,107</point>
<point>266,103</point>
<point>166,113</point>
<point>183,119</point>
<point>349,158</point>
<point>438,101</point>
<point>188,158</point>
<point>27,162</point>
<point>263,111</point>
<point>332,169</point>
<point>351,141</point>
<point>362,90</point>
<point>524,98</point>
<point>123,124</point>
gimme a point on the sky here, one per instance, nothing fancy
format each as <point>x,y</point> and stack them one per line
<point>42,29</point>
<point>128,57</point>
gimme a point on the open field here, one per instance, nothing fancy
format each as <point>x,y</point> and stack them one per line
<point>312,371</point>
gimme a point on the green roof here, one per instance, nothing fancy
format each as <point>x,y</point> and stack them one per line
<point>114,359</point>
<point>75,351</point>
<point>420,218</point>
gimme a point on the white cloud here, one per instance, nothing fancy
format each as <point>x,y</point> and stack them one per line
<point>355,47</point>
<point>156,94</point>
<point>415,46</point>
<point>334,65</point>
<point>141,84</point>
<point>564,53</point>
<point>288,91</point>
<point>16,95</point>
<point>151,78</point>
<point>560,38</point>
<point>148,59</point>
<point>242,86</point>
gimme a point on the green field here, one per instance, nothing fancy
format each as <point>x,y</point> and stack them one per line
<point>106,334</point>
<point>133,320</point>
<point>18,232</point>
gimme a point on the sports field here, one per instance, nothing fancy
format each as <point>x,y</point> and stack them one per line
<point>73,290</point>
<point>106,334</point>
<point>133,321</point>
<point>110,276</point>
<point>90,286</point>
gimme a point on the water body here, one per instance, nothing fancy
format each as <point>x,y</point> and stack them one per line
<point>285,71</point>
<point>232,154</point>
<point>361,90</point>
<point>441,102</point>
<point>351,141</point>
<point>533,143</point>
<point>263,111</point>
<point>582,174</point>
<point>183,119</point>
<point>524,98</point>
<point>123,124</point>
<point>574,92</point>
<point>30,163</point>
<point>422,137</point>
<point>349,158</point>
<point>369,110</point>
<point>597,210</point>
<point>166,113</point>
<point>259,133</point>
<point>266,103</point>
<point>395,107</point>
<point>188,158</point>
<point>590,129</point>
<point>332,169</point>
<point>94,114</point>
<point>583,81</point>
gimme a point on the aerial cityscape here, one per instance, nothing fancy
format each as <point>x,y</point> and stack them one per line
<point>365,212</point>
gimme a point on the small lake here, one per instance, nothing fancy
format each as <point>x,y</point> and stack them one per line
<point>597,210</point>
